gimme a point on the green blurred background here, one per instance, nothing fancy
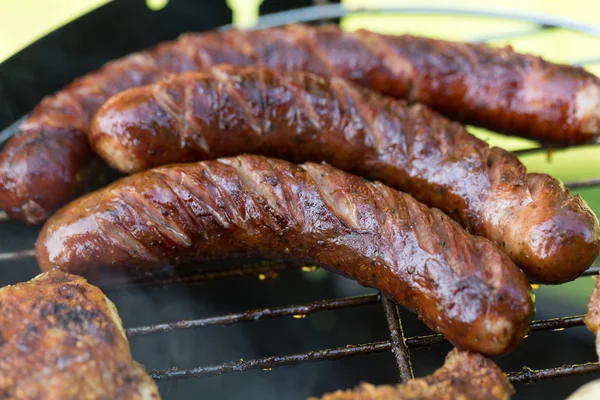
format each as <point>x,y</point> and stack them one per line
<point>24,21</point>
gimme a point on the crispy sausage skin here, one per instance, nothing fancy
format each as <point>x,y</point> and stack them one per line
<point>460,285</point>
<point>552,236</point>
<point>474,83</point>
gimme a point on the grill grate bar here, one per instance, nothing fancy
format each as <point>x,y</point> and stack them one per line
<point>534,150</point>
<point>528,375</point>
<point>322,305</point>
<point>592,271</point>
<point>17,255</point>
<point>510,34</point>
<point>266,269</point>
<point>399,347</point>
<point>585,62</point>
<point>257,315</point>
<point>583,184</point>
<point>268,363</point>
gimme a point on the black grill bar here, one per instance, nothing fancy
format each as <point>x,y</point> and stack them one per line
<point>344,302</point>
<point>399,347</point>
<point>583,184</point>
<point>528,375</point>
<point>17,255</point>
<point>550,150</point>
<point>592,271</point>
<point>268,363</point>
<point>264,270</point>
<point>257,315</point>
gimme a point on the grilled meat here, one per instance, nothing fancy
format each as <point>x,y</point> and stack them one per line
<point>464,376</point>
<point>592,318</point>
<point>61,338</point>
<point>552,236</point>
<point>42,167</point>
<point>460,285</point>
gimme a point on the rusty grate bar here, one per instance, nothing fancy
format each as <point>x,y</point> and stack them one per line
<point>528,375</point>
<point>399,347</point>
<point>257,315</point>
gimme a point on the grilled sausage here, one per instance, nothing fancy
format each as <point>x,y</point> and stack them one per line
<point>460,285</point>
<point>61,338</point>
<point>464,375</point>
<point>552,236</point>
<point>495,88</point>
<point>46,163</point>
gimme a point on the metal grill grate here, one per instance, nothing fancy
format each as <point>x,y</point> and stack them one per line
<point>398,344</point>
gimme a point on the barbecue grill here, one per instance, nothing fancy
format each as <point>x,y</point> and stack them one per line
<point>165,314</point>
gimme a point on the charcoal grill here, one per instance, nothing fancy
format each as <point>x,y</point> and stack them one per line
<point>142,302</point>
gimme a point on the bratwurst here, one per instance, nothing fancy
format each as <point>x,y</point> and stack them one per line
<point>460,285</point>
<point>552,236</point>
<point>42,167</point>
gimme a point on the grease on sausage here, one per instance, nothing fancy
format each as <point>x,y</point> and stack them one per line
<point>491,87</point>
<point>460,285</point>
<point>552,236</point>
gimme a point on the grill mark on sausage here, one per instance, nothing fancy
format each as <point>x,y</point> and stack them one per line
<point>300,34</point>
<point>227,86</point>
<point>224,202</point>
<point>301,101</point>
<point>373,137</point>
<point>339,200</point>
<point>120,238</point>
<point>200,197</point>
<point>263,198</point>
<point>156,218</point>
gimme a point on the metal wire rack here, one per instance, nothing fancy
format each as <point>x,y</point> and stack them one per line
<point>398,344</point>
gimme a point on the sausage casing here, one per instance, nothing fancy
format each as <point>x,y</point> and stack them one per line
<point>460,285</point>
<point>552,236</point>
<point>495,88</point>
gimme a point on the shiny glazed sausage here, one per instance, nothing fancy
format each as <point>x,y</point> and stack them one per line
<point>460,285</point>
<point>495,88</point>
<point>552,236</point>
